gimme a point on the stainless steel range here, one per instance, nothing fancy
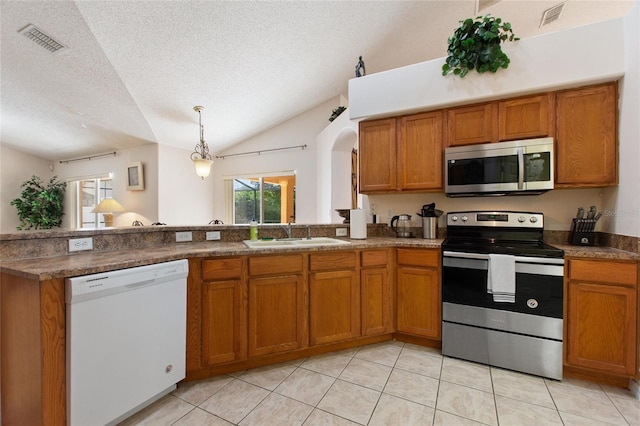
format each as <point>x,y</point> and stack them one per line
<point>502,291</point>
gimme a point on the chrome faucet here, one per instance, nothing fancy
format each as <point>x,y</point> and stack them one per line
<point>308,232</point>
<point>287,229</point>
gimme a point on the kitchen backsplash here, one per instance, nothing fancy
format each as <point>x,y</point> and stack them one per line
<point>33,244</point>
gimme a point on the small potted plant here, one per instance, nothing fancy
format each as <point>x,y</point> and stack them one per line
<point>39,205</point>
<point>476,45</point>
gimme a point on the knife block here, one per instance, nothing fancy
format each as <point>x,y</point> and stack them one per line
<point>582,232</point>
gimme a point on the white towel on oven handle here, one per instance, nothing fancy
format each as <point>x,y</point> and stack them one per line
<point>501,278</point>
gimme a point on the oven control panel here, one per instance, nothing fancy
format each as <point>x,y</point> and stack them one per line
<point>496,219</point>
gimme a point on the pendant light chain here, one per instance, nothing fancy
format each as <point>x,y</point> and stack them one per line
<point>201,149</point>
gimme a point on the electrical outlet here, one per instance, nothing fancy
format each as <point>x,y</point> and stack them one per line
<point>184,236</point>
<point>341,232</point>
<point>213,235</point>
<point>79,244</point>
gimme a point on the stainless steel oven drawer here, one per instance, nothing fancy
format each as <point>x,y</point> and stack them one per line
<point>512,322</point>
<point>527,354</point>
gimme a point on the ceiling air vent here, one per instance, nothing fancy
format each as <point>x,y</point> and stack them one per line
<point>552,14</point>
<point>34,34</point>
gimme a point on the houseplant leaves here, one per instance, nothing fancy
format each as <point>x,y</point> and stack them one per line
<point>40,206</point>
<point>476,45</point>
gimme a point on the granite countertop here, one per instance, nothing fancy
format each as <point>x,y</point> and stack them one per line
<point>44,268</point>
<point>597,252</point>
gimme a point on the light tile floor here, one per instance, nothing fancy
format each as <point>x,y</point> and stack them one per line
<point>390,383</point>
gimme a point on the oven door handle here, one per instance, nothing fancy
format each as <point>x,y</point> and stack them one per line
<point>520,259</point>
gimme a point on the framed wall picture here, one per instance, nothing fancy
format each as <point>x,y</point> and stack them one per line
<point>135,177</point>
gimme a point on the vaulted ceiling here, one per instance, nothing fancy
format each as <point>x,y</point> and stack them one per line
<point>132,71</point>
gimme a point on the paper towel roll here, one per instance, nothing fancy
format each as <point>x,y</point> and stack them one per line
<point>358,224</point>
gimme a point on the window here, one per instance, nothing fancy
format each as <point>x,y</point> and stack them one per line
<point>85,195</point>
<point>267,198</point>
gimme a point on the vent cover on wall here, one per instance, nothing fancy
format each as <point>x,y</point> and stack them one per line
<point>485,4</point>
<point>552,14</point>
<point>34,34</point>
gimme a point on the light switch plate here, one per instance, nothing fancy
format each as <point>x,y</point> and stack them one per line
<point>79,244</point>
<point>184,236</point>
<point>213,235</point>
<point>341,232</point>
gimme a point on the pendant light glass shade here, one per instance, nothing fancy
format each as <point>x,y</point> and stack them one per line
<point>203,167</point>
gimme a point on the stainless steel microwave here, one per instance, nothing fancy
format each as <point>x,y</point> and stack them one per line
<point>503,168</point>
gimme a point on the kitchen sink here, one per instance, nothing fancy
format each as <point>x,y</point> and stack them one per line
<point>295,242</point>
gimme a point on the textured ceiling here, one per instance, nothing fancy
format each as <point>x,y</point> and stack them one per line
<point>135,69</point>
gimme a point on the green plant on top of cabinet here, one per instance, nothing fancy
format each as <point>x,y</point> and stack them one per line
<point>586,137</point>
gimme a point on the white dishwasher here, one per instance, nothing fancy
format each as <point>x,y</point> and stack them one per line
<point>126,340</point>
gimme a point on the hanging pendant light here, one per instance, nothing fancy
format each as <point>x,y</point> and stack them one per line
<point>201,157</point>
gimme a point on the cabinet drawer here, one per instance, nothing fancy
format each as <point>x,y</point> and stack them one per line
<point>221,269</point>
<point>374,258</point>
<point>419,257</point>
<point>332,260</point>
<point>604,271</point>
<point>275,265</point>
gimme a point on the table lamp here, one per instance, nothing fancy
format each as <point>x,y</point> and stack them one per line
<point>107,207</point>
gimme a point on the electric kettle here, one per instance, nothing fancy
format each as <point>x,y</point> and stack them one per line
<point>401,225</point>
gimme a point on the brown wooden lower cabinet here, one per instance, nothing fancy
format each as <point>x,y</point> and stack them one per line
<point>224,321</point>
<point>602,316</point>
<point>216,311</point>
<point>418,309</point>
<point>375,289</point>
<point>334,297</point>
<point>334,306</point>
<point>33,380</point>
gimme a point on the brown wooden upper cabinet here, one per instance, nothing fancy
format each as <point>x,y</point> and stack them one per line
<point>403,154</point>
<point>377,155</point>
<point>472,124</point>
<point>523,118</point>
<point>419,152</point>
<point>586,136</point>
<point>511,119</point>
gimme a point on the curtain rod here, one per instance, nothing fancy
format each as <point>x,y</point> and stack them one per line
<point>222,157</point>
<point>88,157</point>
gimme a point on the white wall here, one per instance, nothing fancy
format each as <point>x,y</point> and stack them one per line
<point>578,56</point>
<point>335,143</point>
<point>622,214</point>
<point>300,130</point>
<point>15,168</point>
<point>184,198</point>
<point>558,205</point>
<point>139,205</point>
